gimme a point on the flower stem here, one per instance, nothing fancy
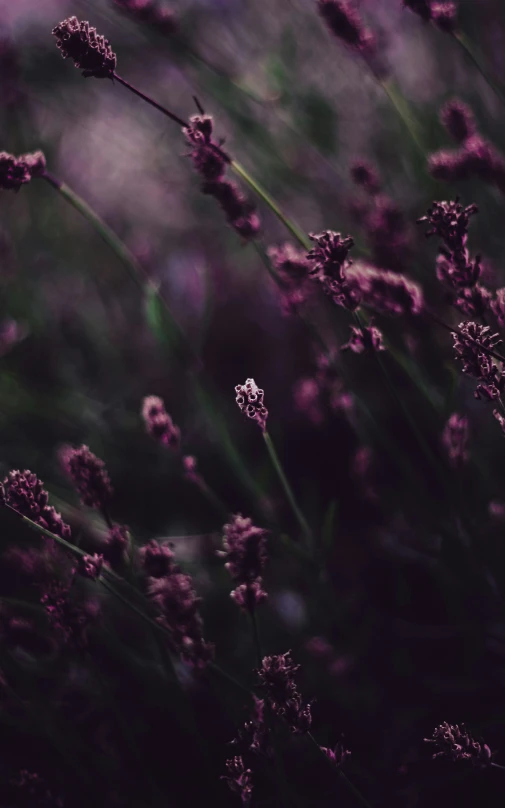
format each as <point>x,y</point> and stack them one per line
<point>359,796</point>
<point>464,43</point>
<point>151,101</point>
<point>287,489</point>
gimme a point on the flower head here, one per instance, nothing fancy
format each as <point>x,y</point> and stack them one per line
<point>458,120</point>
<point>250,401</point>
<point>366,338</point>
<point>445,15</point>
<point>14,172</point>
<point>449,221</point>
<point>208,159</point>
<point>455,438</point>
<point>238,210</point>
<point>89,476</point>
<point>330,255</point>
<point>159,423</point>
<point>244,548</point>
<point>365,176</point>
<point>338,755</point>
<point>277,680</point>
<point>344,22</point>
<point>91,566</point>
<point>456,743</point>
<point>385,291</point>
<point>89,51</point>
<point>25,493</point>
<point>467,345</point>
<point>239,779</point>
<point>498,306</point>
<point>116,545</point>
<point>68,618</point>
<point>157,560</point>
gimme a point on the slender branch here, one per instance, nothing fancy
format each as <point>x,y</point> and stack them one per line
<point>151,101</point>
<point>287,488</point>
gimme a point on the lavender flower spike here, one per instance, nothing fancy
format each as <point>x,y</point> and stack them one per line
<point>277,680</point>
<point>455,742</point>
<point>17,171</point>
<point>90,51</point>
<point>24,492</point>
<point>245,553</point>
<point>89,476</point>
<point>250,401</point>
<point>158,422</point>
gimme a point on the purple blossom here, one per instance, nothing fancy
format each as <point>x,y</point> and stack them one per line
<point>116,545</point>
<point>344,22</point>
<point>239,779</point>
<point>387,292</point>
<point>455,439</point>
<point>445,15</point>
<point>159,423</point>
<point>69,619</point>
<point>501,419</point>
<point>365,176</point>
<point>208,159</point>
<point>91,566</point>
<point>89,476</point>
<point>149,11</point>
<point>338,755</point>
<point>330,255</point>
<point>294,271</point>
<point>498,306</point>
<point>458,120</point>
<point>368,338</point>
<point>250,401</point>
<point>245,553</point>
<point>17,171</point>
<point>157,560</point>
<point>239,212</point>
<point>190,466</point>
<point>476,362</point>
<point>473,302</point>
<point>454,742</point>
<point>25,493</point>
<point>89,51</point>
<point>277,680</point>
<point>449,221</point>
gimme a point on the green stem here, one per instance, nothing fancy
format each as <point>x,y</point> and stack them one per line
<point>271,203</point>
<point>287,489</point>
<point>403,113</point>
<point>467,47</point>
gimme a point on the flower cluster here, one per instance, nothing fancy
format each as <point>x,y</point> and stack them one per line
<point>116,545</point>
<point>324,392</point>
<point>277,681</point>
<point>456,743</point>
<point>172,592</point>
<point>25,493</point>
<point>385,291</point>
<point>91,566</point>
<point>17,171</point>
<point>455,268</point>
<point>367,338</point>
<point>245,553</point>
<point>250,401</point>
<point>69,619</point>
<point>210,162</point>
<point>474,157</point>
<point>455,439</point>
<point>338,755</point>
<point>159,423</point>
<point>89,476</point>
<point>468,344</point>
<point>444,15</point>
<point>89,51</point>
<point>294,272</point>
<point>329,265</point>
<point>344,22</point>
<point>149,11</point>
<point>239,778</point>
<point>381,219</point>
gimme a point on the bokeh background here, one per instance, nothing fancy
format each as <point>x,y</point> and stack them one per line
<point>396,632</point>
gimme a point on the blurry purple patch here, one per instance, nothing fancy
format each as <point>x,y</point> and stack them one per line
<point>88,474</point>
<point>458,120</point>
<point>455,439</point>
<point>368,338</point>
<point>159,423</point>
<point>11,332</point>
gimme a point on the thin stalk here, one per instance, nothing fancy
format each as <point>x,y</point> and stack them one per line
<point>151,101</point>
<point>468,49</point>
<point>271,203</point>
<point>307,532</point>
<point>398,104</point>
<point>359,796</point>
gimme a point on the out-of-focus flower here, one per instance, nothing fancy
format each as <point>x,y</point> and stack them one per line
<point>455,742</point>
<point>149,11</point>
<point>277,680</point>
<point>445,16</point>
<point>455,439</point>
<point>116,545</point>
<point>91,566</point>
<point>497,510</point>
<point>344,22</point>
<point>365,176</point>
<point>190,466</point>
<point>250,401</point>
<point>385,291</point>
<point>500,418</point>
<point>239,779</point>
<point>338,755</point>
<point>25,493</point>
<point>294,272</point>
<point>368,338</point>
<point>159,423</point>
<point>172,591</point>
<point>208,159</point>
<point>69,619</point>
<point>11,332</point>
<point>458,120</point>
<point>89,476</point>
<point>473,302</point>
<point>244,548</point>
<point>498,306</point>
<point>239,212</point>
<point>90,52</point>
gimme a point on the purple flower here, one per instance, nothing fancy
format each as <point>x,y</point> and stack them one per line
<point>116,544</point>
<point>449,221</point>
<point>25,493</point>
<point>420,7</point>
<point>14,172</point>
<point>69,619</point>
<point>448,165</point>
<point>344,22</point>
<point>445,15</point>
<point>458,120</point>
<point>238,210</point>
<point>498,306</point>
<point>501,419</point>
<point>89,51</point>
<point>239,779</point>
<point>338,755</point>
<point>250,401</point>
<point>245,553</point>
<point>89,476</point>
<point>467,347</point>
<point>455,742</point>
<point>277,680</point>
<point>455,439</point>
<point>365,176</point>
<point>159,423</point>
<point>330,255</point>
<point>363,339</point>
<point>208,159</point>
<point>91,566</point>
<point>190,465</point>
<point>157,560</point>
<point>163,19</point>
<point>385,291</point>
<point>473,302</point>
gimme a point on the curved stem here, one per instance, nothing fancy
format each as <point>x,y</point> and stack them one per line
<point>287,488</point>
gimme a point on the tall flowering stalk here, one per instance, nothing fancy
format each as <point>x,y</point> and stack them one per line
<point>244,548</point>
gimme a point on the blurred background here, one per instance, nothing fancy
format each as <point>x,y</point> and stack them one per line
<point>396,631</point>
